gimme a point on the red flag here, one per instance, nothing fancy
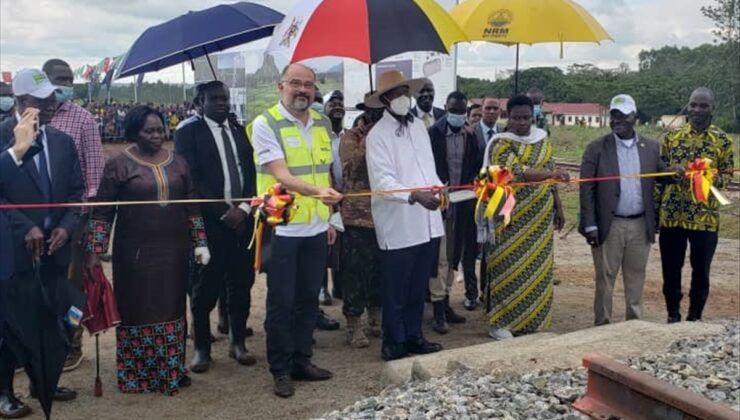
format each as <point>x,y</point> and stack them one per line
<point>7,77</point>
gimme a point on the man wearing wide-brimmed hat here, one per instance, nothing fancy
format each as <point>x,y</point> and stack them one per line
<point>408,225</point>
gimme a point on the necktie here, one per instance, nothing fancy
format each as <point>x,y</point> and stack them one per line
<point>490,134</point>
<point>45,182</point>
<point>236,184</point>
<point>427,120</point>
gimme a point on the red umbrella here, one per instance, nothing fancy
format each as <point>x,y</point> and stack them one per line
<point>101,312</point>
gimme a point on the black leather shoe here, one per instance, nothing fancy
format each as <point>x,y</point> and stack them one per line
<point>241,354</point>
<point>393,352</point>
<point>310,373</point>
<point>323,322</point>
<point>470,304</point>
<point>61,394</point>
<point>673,318</point>
<point>283,387</point>
<point>223,328</point>
<point>201,361</point>
<point>185,382</point>
<point>11,407</point>
<point>422,346</point>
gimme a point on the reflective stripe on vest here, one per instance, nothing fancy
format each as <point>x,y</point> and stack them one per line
<point>309,164</point>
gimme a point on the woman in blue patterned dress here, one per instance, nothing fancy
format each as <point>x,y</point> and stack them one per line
<point>151,247</point>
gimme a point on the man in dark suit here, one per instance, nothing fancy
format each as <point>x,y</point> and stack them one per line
<point>9,405</point>
<point>618,218</point>
<point>51,174</point>
<point>220,159</point>
<point>488,127</point>
<point>425,109</point>
<point>457,160</point>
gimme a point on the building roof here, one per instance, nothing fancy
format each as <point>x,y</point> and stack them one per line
<point>560,108</point>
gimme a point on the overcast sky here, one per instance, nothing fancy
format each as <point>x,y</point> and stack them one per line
<point>85,31</point>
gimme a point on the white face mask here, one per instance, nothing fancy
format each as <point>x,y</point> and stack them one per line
<point>401,105</point>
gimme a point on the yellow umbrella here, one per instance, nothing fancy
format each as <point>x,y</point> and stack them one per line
<point>517,22</point>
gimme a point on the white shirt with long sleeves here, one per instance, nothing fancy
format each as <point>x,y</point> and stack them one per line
<point>396,162</point>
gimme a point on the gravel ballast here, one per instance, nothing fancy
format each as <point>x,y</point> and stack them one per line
<point>709,366</point>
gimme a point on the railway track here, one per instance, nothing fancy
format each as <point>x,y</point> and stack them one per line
<point>616,391</point>
<point>572,166</point>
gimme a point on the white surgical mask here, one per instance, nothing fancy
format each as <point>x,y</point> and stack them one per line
<point>401,105</point>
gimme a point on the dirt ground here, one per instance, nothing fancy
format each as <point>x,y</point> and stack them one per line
<point>230,391</point>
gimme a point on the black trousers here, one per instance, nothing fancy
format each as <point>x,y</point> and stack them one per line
<point>673,243</point>
<point>230,265</point>
<point>294,274</point>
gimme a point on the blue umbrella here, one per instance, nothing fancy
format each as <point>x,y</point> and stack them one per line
<point>196,34</point>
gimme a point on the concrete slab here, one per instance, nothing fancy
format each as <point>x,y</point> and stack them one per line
<point>548,350</point>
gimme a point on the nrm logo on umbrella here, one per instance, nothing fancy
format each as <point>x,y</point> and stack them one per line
<point>498,23</point>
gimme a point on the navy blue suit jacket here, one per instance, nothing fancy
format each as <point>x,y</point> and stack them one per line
<point>22,185</point>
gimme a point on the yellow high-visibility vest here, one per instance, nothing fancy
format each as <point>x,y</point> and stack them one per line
<point>309,164</point>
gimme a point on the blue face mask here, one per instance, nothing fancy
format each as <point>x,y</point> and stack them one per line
<point>537,109</point>
<point>317,107</point>
<point>64,93</point>
<point>6,103</point>
<point>456,120</point>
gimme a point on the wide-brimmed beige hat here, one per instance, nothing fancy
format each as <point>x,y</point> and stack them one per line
<point>389,81</point>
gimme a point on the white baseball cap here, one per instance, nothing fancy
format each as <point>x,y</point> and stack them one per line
<point>624,104</point>
<point>32,82</point>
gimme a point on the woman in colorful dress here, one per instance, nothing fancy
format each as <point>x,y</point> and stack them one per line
<point>151,247</point>
<point>520,257</point>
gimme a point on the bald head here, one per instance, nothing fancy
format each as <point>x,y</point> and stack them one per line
<point>700,107</point>
<point>291,69</point>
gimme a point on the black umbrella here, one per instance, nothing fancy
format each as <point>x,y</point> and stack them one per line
<point>40,318</point>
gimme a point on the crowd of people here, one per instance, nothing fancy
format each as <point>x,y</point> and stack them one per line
<point>388,252</point>
<point>109,117</point>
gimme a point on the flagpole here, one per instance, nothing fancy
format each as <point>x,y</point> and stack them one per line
<point>136,93</point>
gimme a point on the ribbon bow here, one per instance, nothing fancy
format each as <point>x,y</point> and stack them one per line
<point>275,207</point>
<point>701,177</point>
<point>493,188</point>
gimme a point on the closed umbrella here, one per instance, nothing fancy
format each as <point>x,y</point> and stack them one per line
<point>196,34</point>
<point>366,30</point>
<point>514,22</point>
<point>101,312</point>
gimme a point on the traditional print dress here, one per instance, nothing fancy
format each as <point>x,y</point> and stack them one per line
<point>151,248</point>
<point>520,259</point>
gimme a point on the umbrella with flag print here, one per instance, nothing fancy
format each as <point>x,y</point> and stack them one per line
<point>366,30</point>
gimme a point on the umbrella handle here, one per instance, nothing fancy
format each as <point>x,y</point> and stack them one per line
<point>98,392</point>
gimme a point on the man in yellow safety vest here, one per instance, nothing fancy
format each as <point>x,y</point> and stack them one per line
<point>292,145</point>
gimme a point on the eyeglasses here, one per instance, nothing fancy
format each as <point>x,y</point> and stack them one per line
<point>297,84</point>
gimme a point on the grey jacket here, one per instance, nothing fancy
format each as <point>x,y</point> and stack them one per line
<point>599,199</point>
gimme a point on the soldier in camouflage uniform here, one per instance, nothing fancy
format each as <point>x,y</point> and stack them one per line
<point>361,267</point>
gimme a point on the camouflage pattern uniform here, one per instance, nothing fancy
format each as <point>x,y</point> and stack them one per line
<point>360,264</point>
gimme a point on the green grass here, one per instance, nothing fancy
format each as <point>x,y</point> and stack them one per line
<point>570,142</point>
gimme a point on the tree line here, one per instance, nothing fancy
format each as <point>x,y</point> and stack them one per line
<point>660,85</point>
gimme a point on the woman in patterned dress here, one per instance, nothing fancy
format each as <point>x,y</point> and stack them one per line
<point>520,259</point>
<point>151,247</point>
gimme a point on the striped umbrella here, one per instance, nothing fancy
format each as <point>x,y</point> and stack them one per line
<point>366,30</point>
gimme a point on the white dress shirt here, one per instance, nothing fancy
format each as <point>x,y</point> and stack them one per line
<point>268,149</point>
<point>398,162</point>
<point>216,132</point>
